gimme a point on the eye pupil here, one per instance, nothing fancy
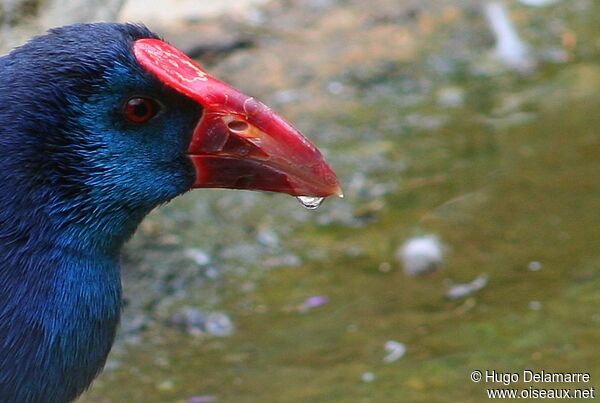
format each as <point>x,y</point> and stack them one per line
<point>140,110</point>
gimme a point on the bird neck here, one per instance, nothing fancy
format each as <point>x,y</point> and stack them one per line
<point>103,232</point>
<point>60,298</point>
<point>60,309</point>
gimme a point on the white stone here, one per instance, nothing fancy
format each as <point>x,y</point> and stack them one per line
<point>219,325</point>
<point>421,255</point>
<point>367,377</point>
<point>395,350</point>
<point>199,256</point>
<point>466,289</point>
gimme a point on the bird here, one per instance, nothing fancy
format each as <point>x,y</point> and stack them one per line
<point>101,123</point>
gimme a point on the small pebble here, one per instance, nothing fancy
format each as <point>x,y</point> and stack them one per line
<point>199,256</point>
<point>463,290</point>
<point>354,251</point>
<point>190,319</point>
<point>367,377</point>
<point>314,302</point>
<point>268,238</point>
<point>421,255</point>
<point>212,272</point>
<point>219,325</point>
<point>535,305</point>
<point>395,350</point>
<point>451,97</point>
<point>335,87</point>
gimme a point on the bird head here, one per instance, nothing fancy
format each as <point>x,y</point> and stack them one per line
<point>108,117</point>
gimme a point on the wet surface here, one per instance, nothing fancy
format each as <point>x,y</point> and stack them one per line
<point>430,134</point>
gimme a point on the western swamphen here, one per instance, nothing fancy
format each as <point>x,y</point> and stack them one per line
<point>99,124</point>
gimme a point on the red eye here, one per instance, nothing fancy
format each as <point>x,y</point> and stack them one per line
<point>140,110</point>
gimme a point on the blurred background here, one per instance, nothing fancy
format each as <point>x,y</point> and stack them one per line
<point>465,134</point>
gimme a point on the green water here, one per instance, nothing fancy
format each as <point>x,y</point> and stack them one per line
<point>510,177</point>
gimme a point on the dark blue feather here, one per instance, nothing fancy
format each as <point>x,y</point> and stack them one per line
<point>75,181</point>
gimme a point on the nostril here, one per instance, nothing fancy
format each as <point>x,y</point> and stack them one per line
<point>237,126</point>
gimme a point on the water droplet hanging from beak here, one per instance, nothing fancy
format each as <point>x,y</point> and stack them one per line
<point>310,202</point>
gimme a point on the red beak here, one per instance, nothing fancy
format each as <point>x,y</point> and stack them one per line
<point>239,142</point>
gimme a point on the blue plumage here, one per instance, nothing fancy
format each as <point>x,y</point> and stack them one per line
<point>75,181</point>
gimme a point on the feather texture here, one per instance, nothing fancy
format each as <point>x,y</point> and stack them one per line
<point>76,180</point>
